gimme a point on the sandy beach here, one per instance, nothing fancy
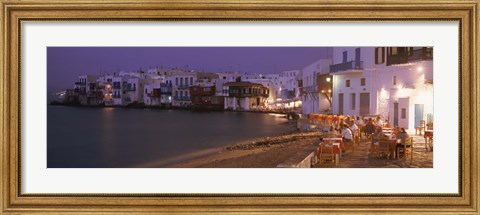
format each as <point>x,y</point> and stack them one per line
<point>258,153</point>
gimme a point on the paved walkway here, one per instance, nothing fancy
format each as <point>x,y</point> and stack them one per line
<point>365,157</point>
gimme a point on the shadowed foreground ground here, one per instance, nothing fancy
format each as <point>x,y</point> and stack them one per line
<point>271,152</point>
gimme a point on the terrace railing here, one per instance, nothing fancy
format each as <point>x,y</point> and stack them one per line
<point>350,65</point>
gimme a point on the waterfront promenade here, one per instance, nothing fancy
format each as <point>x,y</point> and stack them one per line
<point>271,155</point>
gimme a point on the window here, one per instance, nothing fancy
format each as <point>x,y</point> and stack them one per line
<point>191,81</point>
<point>181,93</point>
<point>362,82</point>
<point>352,101</point>
<point>181,81</point>
<point>176,81</point>
<point>394,80</point>
<point>379,55</point>
<point>145,91</point>
<point>344,56</point>
<point>404,113</point>
<point>176,93</point>
<point>347,83</point>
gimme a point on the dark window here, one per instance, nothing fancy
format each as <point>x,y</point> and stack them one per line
<point>344,56</point>
<point>379,55</point>
<point>404,113</point>
<point>352,101</point>
<point>362,82</point>
<point>394,80</point>
<point>347,83</point>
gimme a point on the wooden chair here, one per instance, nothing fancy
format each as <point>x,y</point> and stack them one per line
<point>356,139</point>
<point>350,145</point>
<point>383,147</point>
<point>420,128</point>
<point>405,150</point>
<point>361,131</point>
<point>326,150</point>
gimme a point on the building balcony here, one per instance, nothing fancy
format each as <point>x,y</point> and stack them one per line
<point>183,86</point>
<point>166,85</point>
<point>153,95</point>
<point>244,95</point>
<point>415,55</point>
<point>350,65</point>
<point>182,98</point>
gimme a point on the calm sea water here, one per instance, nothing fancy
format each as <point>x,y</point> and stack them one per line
<point>80,137</point>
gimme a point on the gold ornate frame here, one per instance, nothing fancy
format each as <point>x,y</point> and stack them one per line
<point>14,12</point>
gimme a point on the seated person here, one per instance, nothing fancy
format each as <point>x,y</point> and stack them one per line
<point>378,134</point>
<point>346,133</point>
<point>354,129</point>
<point>378,121</point>
<point>402,136</point>
<point>369,127</point>
<point>359,121</point>
<point>387,124</point>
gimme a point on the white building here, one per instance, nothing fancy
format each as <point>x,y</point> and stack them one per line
<point>266,82</point>
<point>395,82</point>
<point>134,90</point>
<point>180,88</point>
<point>312,100</point>
<point>166,93</point>
<point>289,84</point>
<point>84,83</point>
<point>105,84</point>
<point>118,90</point>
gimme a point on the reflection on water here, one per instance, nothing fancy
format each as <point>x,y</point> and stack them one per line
<point>116,137</point>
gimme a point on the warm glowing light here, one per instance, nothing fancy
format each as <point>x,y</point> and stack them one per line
<point>383,93</point>
<point>329,91</point>
<point>420,69</point>
<point>323,91</point>
<point>328,79</point>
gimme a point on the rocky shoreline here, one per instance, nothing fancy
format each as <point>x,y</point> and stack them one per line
<point>275,141</point>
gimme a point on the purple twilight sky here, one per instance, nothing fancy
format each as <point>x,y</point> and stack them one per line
<point>64,64</point>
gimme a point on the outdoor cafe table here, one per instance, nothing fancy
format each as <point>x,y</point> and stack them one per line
<point>387,131</point>
<point>335,139</point>
<point>337,143</point>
